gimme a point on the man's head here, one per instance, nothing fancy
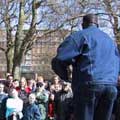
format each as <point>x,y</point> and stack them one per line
<point>90,19</point>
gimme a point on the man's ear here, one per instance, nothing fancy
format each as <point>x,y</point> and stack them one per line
<point>84,25</point>
<point>97,25</point>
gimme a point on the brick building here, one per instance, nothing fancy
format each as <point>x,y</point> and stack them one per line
<point>38,59</point>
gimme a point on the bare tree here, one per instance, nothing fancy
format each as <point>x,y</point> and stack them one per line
<point>113,10</point>
<point>15,16</point>
<point>21,19</point>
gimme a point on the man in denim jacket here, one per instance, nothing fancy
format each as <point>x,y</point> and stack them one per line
<point>95,61</point>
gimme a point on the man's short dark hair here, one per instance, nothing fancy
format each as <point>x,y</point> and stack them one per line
<point>90,19</point>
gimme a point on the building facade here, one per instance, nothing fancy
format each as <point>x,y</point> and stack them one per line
<point>38,59</point>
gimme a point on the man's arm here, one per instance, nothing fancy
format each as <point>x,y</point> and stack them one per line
<point>66,53</point>
<point>60,68</point>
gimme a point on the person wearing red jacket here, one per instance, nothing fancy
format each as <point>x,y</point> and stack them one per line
<point>51,107</point>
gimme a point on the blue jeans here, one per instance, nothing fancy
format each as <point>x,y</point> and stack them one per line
<point>94,102</point>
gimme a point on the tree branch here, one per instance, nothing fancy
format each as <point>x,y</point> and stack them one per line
<point>2,49</point>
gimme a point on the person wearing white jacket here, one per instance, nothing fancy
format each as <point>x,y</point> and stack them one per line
<point>14,106</point>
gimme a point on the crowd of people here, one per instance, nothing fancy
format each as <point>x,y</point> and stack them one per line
<point>29,99</point>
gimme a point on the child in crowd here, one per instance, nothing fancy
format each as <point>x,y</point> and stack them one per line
<point>23,91</point>
<point>31,110</point>
<point>51,107</point>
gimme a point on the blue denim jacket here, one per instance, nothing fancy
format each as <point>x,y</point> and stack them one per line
<point>93,55</point>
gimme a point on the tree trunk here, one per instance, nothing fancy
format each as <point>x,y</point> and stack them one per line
<point>17,72</point>
<point>9,60</point>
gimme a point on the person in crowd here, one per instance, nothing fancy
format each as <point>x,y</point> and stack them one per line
<point>57,92</point>
<point>31,85</point>
<point>23,91</point>
<point>16,84</point>
<point>14,106</point>
<point>9,83</point>
<point>30,110</point>
<point>95,60</point>
<point>56,79</point>
<point>3,97</point>
<point>10,79</point>
<point>56,85</point>
<point>40,79</point>
<point>47,85</point>
<point>56,88</point>
<point>64,102</point>
<point>51,107</point>
<point>41,99</point>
